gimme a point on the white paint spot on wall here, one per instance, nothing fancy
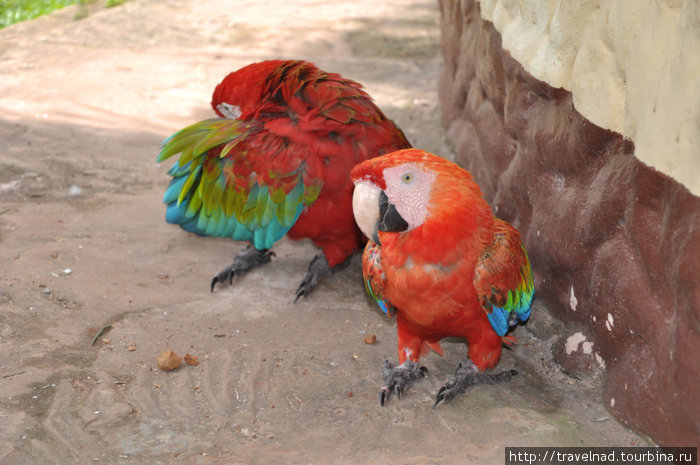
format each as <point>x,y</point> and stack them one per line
<point>572,299</point>
<point>600,360</point>
<point>587,347</point>
<point>610,322</point>
<point>573,342</point>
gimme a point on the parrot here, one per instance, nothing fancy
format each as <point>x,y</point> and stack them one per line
<point>440,262</point>
<point>276,161</point>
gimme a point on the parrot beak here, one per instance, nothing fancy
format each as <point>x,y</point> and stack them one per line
<point>365,207</point>
<point>373,211</point>
<point>392,221</point>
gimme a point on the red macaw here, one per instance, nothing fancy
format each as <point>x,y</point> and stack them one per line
<point>277,162</point>
<point>441,262</point>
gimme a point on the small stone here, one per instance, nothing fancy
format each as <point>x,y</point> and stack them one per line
<point>74,190</point>
<point>370,339</point>
<point>191,360</point>
<point>169,360</point>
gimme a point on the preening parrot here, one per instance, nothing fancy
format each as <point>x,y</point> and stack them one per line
<point>440,262</point>
<point>277,162</point>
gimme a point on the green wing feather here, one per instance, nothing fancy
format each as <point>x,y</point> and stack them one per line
<point>503,279</point>
<point>374,277</point>
<point>216,191</point>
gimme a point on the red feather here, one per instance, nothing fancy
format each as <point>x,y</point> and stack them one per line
<point>429,271</point>
<point>320,124</point>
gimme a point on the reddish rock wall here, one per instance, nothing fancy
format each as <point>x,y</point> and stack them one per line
<point>615,244</point>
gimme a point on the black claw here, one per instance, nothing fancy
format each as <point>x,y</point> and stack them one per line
<point>466,377</point>
<point>383,395</point>
<point>318,270</point>
<point>440,397</point>
<point>300,293</point>
<point>246,259</point>
<point>397,379</point>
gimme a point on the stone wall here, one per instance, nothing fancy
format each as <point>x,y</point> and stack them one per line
<point>615,244</point>
<point>632,66</point>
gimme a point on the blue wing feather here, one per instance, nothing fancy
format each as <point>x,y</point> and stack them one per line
<point>201,193</point>
<point>503,280</point>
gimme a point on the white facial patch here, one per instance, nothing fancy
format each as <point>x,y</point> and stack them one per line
<point>408,188</point>
<point>229,111</point>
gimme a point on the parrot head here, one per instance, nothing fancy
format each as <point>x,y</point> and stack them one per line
<point>403,190</point>
<point>240,93</point>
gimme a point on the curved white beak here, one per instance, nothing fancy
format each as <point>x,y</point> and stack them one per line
<point>365,207</point>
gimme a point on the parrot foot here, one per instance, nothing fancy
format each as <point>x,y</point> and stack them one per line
<point>398,378</point>
<point>318,268</point>
<point>248,258</point>
<point>469,376</point>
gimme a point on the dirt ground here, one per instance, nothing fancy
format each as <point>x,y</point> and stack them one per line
<point>83,244</point>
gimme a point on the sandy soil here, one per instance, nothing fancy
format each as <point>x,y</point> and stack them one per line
<point>83,243</point>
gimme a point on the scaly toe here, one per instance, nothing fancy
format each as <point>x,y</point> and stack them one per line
<point>468,376</point>
<point>397,379</point>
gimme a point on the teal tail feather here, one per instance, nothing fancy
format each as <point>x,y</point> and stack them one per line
<point>267,222</point>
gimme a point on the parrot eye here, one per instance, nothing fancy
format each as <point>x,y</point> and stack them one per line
<point>229,111</point>
<point>407,178</point>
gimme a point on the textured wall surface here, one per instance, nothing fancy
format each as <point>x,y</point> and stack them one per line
<point>633,67</point>
<point>615,244</point>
